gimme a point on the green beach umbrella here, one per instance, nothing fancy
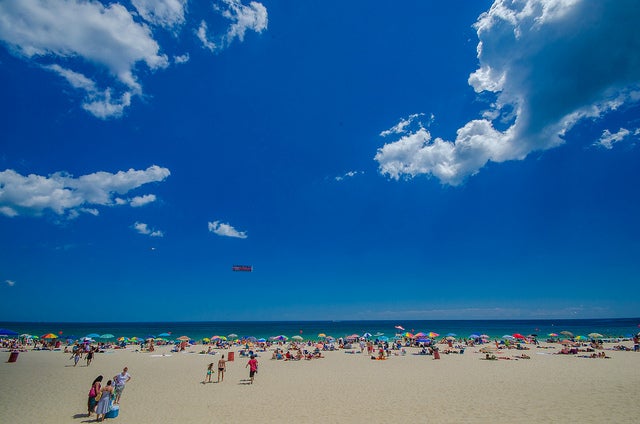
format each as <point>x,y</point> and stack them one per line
<point>107,336</point>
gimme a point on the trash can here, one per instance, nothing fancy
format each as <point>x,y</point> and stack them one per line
<point>13,357</point>
<point>231,356</point>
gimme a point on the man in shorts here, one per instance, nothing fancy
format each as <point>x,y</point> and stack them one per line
<point>253,367</point>
<point>119,381</point>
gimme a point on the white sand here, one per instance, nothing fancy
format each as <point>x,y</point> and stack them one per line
<point>44,387</point>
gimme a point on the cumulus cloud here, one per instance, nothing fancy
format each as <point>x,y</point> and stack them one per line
<point>243,17</point>
<point>402,126</point>
<point>607,139</point>
<point>144,229</point>
<point>548,64</point>
<point>10,283</point>
<point>184,58</point>
<point>63,194</point>
<point>81,33</point>
<point>226,230</point>
<point>164,13</point>
<point>138,201</point>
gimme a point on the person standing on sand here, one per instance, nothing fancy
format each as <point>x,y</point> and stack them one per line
<point>209,372</point>
<point>222,367</point>
<point>120,380</point>
<point>104,404</point>
<point>253,368</point>
<point>96,388</point>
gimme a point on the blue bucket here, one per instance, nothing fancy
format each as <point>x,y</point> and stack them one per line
<point>115,410</point>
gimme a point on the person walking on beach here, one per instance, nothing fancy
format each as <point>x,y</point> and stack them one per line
<point>253,368</point>
<point>120,380</point>
<point>207,379</point>
<point>96,388</point>
<point>222,367</point>
<point>76,357</point>
<point>89,357</point>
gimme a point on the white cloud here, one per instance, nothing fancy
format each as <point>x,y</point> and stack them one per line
<point>181,59</point>
<point>64,194</point>
<point>138,201</point>
<point>144,229</point>
<point>204,38</point>
<point>549,63</point>
<point>402,126</point>
<point>607,140</point>
<point>10,283</point>
<point>226,230</point>
<point>349,174</point>
<point>252,17</point>
<point>46,31</point>
<point>165,13</point>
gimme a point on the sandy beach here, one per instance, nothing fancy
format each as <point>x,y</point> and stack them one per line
<point>43,386</point>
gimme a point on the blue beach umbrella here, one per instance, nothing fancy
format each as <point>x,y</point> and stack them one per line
<point>5,332</point>
<point>164,335</point>
<point>261,340</point>
<point>92,336</point>
<point>451,334</point>
<point>107,336</point>
<point>383,338</point>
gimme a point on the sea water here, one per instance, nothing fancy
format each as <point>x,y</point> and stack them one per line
<point>618,327</point>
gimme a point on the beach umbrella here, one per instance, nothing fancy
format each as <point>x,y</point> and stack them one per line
<point>433,335</point>
<point>518,336</point>
<point>5,332</point>
<point>122,339</point>
<point>451,338</point>
<point>49,336</point>
<point>567,333</point>
<point>296,338</point>
<point>378,334</point>
<point>420,334</point>
<point>92,335</point>
<point>474,336</point>
<point>595,335</point>
<point>322,335</point>
<point>580,338</point>
<point>508,336</point>
<point>407,335</point>
<point>164,335</point>
<point>566,341</point>
<point>484,336</point>
<point>261,340</point>
<point>183,338</point>
<point>383,338</point>
<point>553,334</point>
<point>451,335</point>
<point>366,335</point>
<point>149,336</point>
<point>70,337</point>
<point>107,336</point>
<point>399,327</point>
<point>423,340</point>
<point>232,336</point>
<point>206,340</point>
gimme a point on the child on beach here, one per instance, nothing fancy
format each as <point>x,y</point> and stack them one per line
<point>253,368</point>
<point>209,372</point>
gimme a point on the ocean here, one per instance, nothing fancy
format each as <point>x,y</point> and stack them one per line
<point>618,327</point>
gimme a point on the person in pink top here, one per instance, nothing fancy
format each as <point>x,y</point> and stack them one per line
<point>253,367</point>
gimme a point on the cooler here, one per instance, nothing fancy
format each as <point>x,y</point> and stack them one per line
<point>231,356</point>
<point>13,357</point>
<point>115,410</point>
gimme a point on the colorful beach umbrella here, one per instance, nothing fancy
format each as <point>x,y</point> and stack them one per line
<point>123,339</point>
<point>433,335</point>
<point>553,334</point>
<point>420,334</point>
<point>322,335</point>
<point>49,336</point>
<point>408,335</point>
<point>399,327</point>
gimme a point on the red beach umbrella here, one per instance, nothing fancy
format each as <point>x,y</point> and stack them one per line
<point>518,336</point>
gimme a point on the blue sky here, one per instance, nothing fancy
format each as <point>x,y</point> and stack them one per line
<point>421,160</point>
